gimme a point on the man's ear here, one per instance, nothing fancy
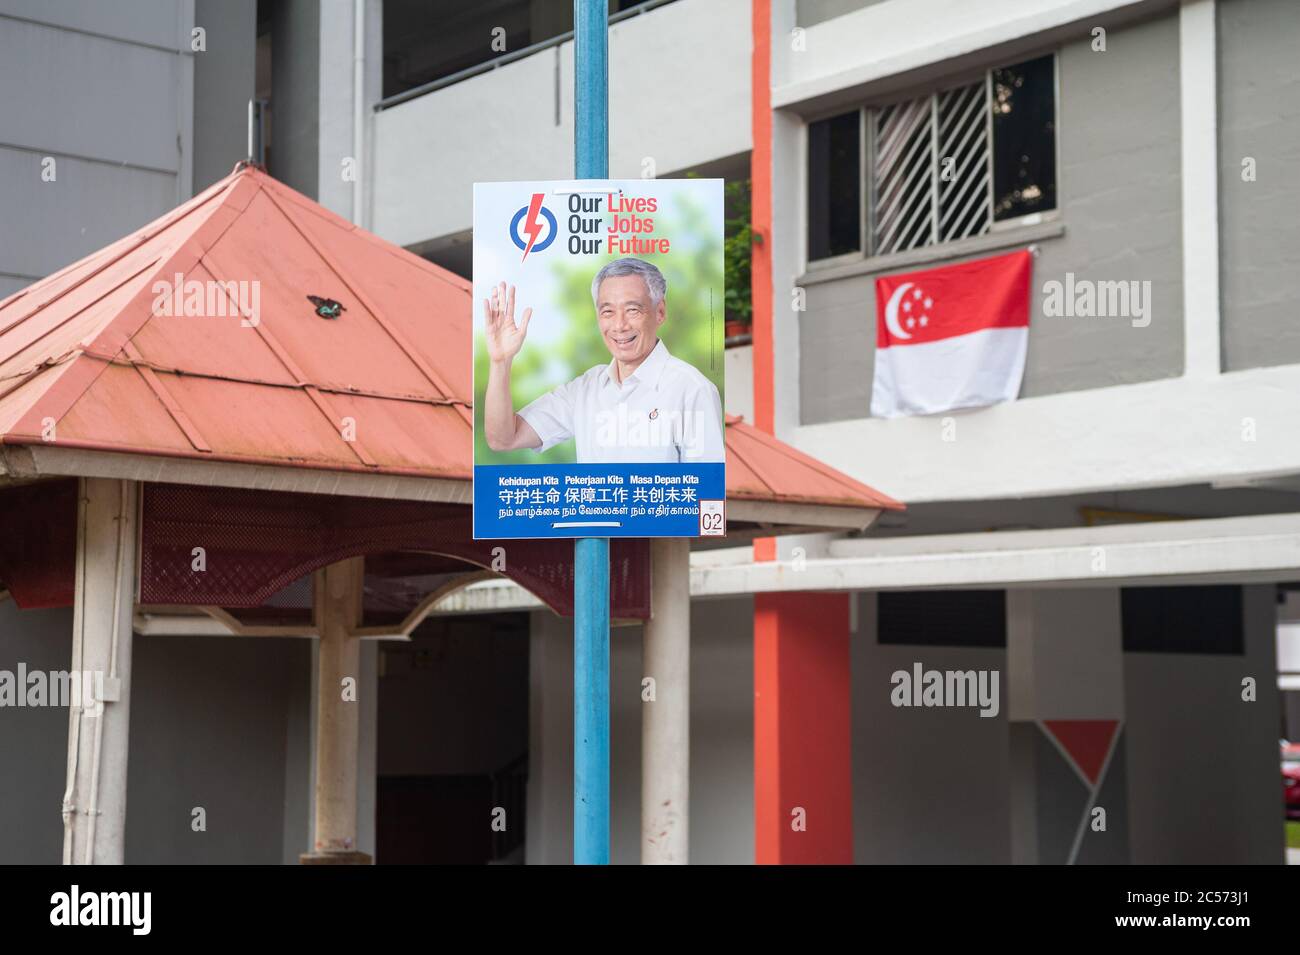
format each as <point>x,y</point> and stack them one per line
<point>660,312</point>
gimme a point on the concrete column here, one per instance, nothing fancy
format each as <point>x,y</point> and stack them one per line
<point>1199,125</point>
<point>666,721</point>
<point>803,774</point>
<point>337,598</point>
<point>94,803</point>
<point>1066,721</point>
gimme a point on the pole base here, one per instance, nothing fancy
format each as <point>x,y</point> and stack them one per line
<point>335,858</point>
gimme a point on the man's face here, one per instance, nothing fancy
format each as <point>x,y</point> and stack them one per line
<point>629,321</point>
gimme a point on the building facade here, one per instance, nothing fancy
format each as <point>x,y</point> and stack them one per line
<point>1112,554</point>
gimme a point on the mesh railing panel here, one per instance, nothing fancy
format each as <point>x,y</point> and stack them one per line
<point>254,543</point>
<point>38,543</point>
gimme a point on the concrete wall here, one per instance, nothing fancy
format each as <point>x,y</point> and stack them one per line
<point>33,741</point>
<point>722,737</point>
<point>1202,763</point>
<point>224,723</point>
<point>930,785</point>
<point>295,92</point>
<point>313,113</point>
<point>550,747</point>
<point>209,727</point>
<point>223,85</point>
<point>739,364</point>
<point>1259,237</point>
<point>1121,214</point>
<point>516,122</point>
<point>106,92</point>
<point>809,12</point>
<point>214,723</point>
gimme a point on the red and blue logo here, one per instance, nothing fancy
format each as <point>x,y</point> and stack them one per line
<point>529,224</point>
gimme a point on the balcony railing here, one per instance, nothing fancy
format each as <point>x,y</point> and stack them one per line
<point>497,62</point>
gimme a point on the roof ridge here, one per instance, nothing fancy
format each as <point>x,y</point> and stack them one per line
<point>305,203</point>
<point>429,372</point>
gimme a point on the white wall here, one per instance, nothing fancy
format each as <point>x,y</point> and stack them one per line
<point>679,94</point>
<point>739,368</point>
<point>883,40</point>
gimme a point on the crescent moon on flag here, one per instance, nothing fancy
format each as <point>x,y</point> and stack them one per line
<point>891,312</point>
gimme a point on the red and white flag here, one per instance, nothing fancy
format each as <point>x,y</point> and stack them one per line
<point>953,337</point>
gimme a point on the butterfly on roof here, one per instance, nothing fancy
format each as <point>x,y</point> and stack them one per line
<point>326,307</point>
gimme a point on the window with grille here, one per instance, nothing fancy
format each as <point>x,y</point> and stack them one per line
<point>937,168</point>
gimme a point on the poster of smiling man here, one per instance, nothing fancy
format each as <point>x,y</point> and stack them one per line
<point>598,371</point>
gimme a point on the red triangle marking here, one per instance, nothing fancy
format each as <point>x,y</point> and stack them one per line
<point>1087,742</point>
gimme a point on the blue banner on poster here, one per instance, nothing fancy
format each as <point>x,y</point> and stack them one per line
<point>597,500</point>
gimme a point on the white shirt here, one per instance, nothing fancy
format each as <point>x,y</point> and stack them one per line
<point>666,410</point>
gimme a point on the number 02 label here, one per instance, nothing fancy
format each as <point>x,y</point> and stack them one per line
<point>713,522</point>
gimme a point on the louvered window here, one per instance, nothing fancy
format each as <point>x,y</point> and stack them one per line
<point>939,168</point>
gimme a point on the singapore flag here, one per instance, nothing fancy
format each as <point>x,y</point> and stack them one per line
<point>952,337</point>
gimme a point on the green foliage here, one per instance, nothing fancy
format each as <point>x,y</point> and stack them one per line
<point>738,251</point>
<point>692,331</point>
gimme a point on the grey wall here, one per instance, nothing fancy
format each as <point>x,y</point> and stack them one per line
<point>722,737</point>
<point>550,749</point>
<point>210,726</point>
<point>106,91</point>
<point>224,723</point>
<point>1202,763</point>
<point>1259,228</point>
<point>33,742</point>
<point>209,723</point>
<point>930,785</point>
<point>223,85</point>
<point>1119,190</point>
<point>295,94</point>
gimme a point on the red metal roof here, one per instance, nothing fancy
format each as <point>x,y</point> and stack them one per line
<point>761,468</point>
<point>94,351</point>
<point>87,348</point>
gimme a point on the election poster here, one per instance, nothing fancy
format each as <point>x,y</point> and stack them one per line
<point>598,359</point>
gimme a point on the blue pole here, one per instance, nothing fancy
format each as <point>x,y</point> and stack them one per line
<point>591,701</point>
<point>590,90</point>
<point>590,554</point>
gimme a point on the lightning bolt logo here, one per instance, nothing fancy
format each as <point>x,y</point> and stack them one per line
<point>532,226</point>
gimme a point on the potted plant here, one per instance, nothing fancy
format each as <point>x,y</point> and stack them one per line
<point>738,250</point>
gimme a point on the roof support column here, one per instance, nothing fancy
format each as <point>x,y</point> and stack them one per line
<point>337,599</point>
<point>666,717</point>
<point>1066,720</point>
<point>803,773</point>
<point>94,804</point>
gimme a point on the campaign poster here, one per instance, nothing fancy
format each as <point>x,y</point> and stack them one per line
<point>598,359</point>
